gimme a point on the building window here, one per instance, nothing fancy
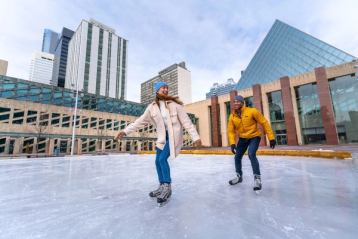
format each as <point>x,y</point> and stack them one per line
<point>109,124</point>
<point>4,115</point>
<point>84,122</point>
<point>66,121</point>
<point>93,123</point>
<point>345,105</point>
<point>31,117</point>
<point>277,117</point>
<point>309,113</point>
<point>18,117</point>
<point>55,119</point>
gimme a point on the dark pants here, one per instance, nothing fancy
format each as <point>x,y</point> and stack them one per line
<point>161,163</point>
<point>242,145</point>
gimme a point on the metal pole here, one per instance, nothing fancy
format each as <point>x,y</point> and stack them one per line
<point>74,121</point>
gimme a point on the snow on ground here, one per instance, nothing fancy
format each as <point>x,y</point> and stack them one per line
<point>107,197</point>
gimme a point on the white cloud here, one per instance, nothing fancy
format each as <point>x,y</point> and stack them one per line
<point>216,39</point>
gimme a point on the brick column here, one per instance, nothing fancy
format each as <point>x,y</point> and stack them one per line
<point>7,145</point>
<point>18,145</point>
<point>215,119</point>
<point>258,105</point>
<point>325,100</point>
<point>50,146</point>
<point>288,111</point>
<point>79,146</point>
<point>233,93</point>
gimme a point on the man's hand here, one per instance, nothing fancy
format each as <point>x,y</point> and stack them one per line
<point>272,144</point>
<point>120,135</point>
<point>197,143</point>
<point>233,148</point>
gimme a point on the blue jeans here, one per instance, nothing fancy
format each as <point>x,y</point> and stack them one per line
<point>242,145</point>
<point>161,163</point>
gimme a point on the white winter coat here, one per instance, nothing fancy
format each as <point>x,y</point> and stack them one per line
<point>177,120</point>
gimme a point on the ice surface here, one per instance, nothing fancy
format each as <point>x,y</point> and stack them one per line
<point>107,197</point>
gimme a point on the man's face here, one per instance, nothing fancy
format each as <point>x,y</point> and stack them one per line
<point>163,90</point>
<point>238,104</point>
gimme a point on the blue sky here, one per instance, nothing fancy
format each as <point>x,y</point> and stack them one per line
<point>216,39</point>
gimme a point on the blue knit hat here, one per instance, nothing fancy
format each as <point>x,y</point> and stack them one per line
<point>239,98</point>
<point>158,85</point>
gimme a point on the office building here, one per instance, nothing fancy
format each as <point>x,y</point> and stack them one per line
<point>178,78</point>
<point>97,60</point>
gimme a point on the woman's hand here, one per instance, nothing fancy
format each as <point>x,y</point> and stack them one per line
<point>120,135</point>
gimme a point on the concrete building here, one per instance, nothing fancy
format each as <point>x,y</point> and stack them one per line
<point>303,86</point>
<point>3,67</point>
<point>61,54</point>
<point>49,41</point>
<point>97,61</point>
<point>317,107</point>
<point>221,89</point>
<point>36,118</point>
<point>177,76</point>
<point>41,67</point>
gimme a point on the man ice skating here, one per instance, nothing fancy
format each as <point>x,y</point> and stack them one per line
<point>243,122</point>
<point>168,116</point>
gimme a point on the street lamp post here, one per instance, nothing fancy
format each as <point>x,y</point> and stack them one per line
<point>74,121</point>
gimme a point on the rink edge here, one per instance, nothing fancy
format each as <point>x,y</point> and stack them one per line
<point>301,153</point>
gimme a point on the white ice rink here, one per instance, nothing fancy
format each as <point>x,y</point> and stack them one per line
<point>107,197</point>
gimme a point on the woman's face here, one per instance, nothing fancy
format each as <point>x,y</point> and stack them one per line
<point>163,90</point>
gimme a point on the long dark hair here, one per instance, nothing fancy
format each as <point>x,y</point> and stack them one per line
<point>167,97</point>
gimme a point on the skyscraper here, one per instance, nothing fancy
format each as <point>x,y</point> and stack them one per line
<point>97,60</point>
<point>221,89</point>
<point>178,79</point>
<point>49,41</point>
<point>41,67</point>
<point>3,67</point>
<point>61,54</point>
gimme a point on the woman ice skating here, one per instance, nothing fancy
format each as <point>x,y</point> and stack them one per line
<point>243,121</point>
<point>168,116</point>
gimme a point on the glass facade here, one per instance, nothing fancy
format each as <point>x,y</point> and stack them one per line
<point>49,41</point>
<point>287,51</point>
<point>221,89</point>
<point>345,105</point>
<point>99,62</point>
<point>61,53</point>
<point>277,117</point>
<point>309,112</point>
<point>13,88</point>
<point>88,57</point>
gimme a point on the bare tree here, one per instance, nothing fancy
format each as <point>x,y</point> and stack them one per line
<point>41,127</point>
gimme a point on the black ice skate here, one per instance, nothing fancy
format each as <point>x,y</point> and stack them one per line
<point>236,180</point>
<point>156,192</point>
<point>164,195</point>
<point>257,183</point>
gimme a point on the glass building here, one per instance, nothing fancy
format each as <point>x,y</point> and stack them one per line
<point>39,118</point>
<point>61,52</point>
<point>49,41</point>
<point>17,89</point>
<point>221,89</point>
<point>287,51</point>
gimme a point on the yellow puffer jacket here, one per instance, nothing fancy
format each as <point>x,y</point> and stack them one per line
<point>246,126</point>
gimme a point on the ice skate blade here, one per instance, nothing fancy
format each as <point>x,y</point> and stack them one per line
<point>161,204</point>
<point>257,190</point>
